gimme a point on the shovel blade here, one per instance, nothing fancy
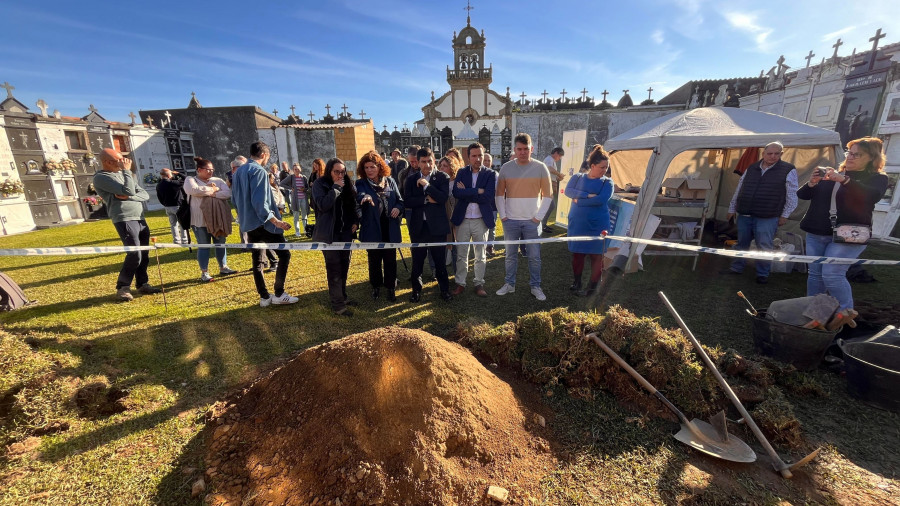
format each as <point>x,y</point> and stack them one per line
<point>705,438</point>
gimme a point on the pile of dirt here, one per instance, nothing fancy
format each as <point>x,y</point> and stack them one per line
<point>390,416</point>
<point>550,349</point>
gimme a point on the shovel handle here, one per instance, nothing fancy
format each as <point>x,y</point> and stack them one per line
<point>637,376</point>
<point>780,466</point>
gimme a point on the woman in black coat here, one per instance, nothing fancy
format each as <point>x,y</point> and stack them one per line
<point>382,209</point>
<point>336,221</point>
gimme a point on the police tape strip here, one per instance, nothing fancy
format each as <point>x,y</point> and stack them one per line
<point>314,246</point>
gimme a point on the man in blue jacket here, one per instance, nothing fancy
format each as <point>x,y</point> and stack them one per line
<point>261,221</point>
<point>473,216</point>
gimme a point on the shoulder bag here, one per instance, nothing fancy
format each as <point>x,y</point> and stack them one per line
<point>851,233</point>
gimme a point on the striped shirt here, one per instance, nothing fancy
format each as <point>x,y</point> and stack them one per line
<point>524,192</point>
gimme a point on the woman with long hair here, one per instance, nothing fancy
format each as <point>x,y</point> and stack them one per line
<point>382,209</point>
<point>589,216</point>
<point>298,186</point>
<point>336,221</point>
<point>853,189</point>
<point>210,220</point>
<point>318,169</point>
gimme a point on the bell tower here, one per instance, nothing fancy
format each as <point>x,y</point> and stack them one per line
<point>468,58</point>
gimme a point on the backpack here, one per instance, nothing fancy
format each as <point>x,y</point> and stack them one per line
<point>11,295</point>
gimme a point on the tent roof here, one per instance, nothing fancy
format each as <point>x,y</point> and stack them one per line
<point>720,127</point>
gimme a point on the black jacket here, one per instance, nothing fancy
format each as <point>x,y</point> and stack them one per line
<point>855,201</point>
<point>435,213</point>
<point>336,210</point>
<point>168,191</point>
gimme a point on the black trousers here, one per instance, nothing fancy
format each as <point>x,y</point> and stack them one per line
<point>284,260</point>
<point>337,265</point>
<point>134,268</point>
<point>439,253</point>
<point>388,259</point>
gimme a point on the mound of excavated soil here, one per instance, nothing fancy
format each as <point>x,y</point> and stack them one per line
<point>390,416</point>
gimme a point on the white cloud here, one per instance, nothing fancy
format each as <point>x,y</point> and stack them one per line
<point>748,22</point>
<point>828,37</point>
<point>657,36</point>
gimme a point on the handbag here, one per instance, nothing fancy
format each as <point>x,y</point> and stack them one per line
<point>851,233</point>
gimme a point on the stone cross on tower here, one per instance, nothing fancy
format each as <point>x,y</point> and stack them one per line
<point>42,106</point>
<point>468,8</point>
<point>836,46</point>
<point>605,93</point>
<point>563,94</point>
<point>168,118</point>
<point>311,115</point>
<point>544,94</point>
<point>362,114</point>
<point>809,57</point>
<point>874,40</point>
<point>584,93</point>
<point>328,109</point>
<point>132,116</point>
<point>344,108</point>
<point>8,88</point>
<point>780,63</point>
<point>292,109</point>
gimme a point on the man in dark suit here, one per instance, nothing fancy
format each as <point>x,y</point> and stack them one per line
<point>473,216</point>
<point>426,196</point>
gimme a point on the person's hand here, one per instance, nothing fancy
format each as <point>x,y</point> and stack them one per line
<point>781,220</point>
<point>339,183</point>
<point>535,220</point>
<point>503,219</point>
<point>833,175</point>
<point>729,217</point>
<point>480,191</point>
<point>126,163</point>
<point>122,197</point>
<point>591,195</point>
<point>353,228</point>
<point>817,176</point>
<point>283,225</point>
<point>422,182</point>
<point>574,201</point>
<point>431,200</point>
<point>395,212</point>
<point>460,185</point>
<point>367,200</point>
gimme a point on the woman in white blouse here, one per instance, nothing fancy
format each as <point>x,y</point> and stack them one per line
<point>199,188</point>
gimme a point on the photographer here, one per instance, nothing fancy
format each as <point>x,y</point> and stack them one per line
<point>170,195</point>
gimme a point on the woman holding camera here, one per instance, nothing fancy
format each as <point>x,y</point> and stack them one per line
<point>210,215</point>
<point>336,221</point>
<point>382,209</point>
<point>853,189</point>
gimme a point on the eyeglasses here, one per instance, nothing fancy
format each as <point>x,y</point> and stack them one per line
<point>339,172</point>
<point>850,154</point>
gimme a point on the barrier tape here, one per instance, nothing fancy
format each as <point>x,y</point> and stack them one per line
<point>314,246</point>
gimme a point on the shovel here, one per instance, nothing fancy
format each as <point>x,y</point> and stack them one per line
<point>752,311</point>
<point>706,438</point>
<point>780,465</point>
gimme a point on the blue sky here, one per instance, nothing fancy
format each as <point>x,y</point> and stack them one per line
<point>385,57</point>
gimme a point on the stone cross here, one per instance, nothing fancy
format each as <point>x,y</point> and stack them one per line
<point>344,108</point>
<point>563,94</point>
<point>780,63</point>
<point>584,93</point>
<point>836,46</point>
<point>8,88</point>
<point>874,40</point>
<point>522,96</point>
<point>42,106</point>
<point>395,128</point>
<point>311,116</point>
<point>24,137</point>
<point>275,112</point>
<point>292,109</point>
<point>168,118</point>
<point>404,125</point>
<point>544,94</point>
<point>328,109</point>
<point>92,108</point>
<point>362,114</point>
<point>809,57</point>
<point>605,93</point>
<point>132,116</point>
<point>384,127</point>
<point>649,92</point>
<point>150,121</point>
<point>468,8</point>
<point>625,91</point>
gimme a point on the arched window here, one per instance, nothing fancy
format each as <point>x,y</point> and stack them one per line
<point>468,40</point>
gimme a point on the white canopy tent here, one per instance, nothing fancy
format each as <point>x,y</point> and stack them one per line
<point>707,143</point>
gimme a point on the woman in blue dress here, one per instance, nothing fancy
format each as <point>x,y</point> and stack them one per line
<point>589,216</point>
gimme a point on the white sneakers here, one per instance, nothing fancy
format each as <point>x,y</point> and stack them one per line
<point>538,293</point>
<point>506,288</point>
<point>283,299</point>
<point>205,277</point>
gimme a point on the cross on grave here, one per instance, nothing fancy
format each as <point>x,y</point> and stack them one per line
<point>563,94</point>
<point>649,92</point>
<point>311,115</point>
<point>780,63</point>
<point>809,57</point>
<point>874,40</point>
<point>9,89</point>
<point>384,127</point>
<point>150,121</point>
<point>395,128</point>
<point>168,118</point>
<point>92,108</point>
<point>24,137</point>
<point>625,91</point>
<point>836,46</point>
<point>404,125</point>
<point>292,109</point>
<point>344,108</point>
<point>275,112</point>
<point>584,93</point>
<point>328,109</point>
<point>605,93</point>
<point>522,96</point>
<point>42,106</point>
<point>132,116</point>
<point>544,94</point>
<point>362,114</point>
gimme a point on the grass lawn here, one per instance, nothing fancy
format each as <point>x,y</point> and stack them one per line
<point>174,362</point>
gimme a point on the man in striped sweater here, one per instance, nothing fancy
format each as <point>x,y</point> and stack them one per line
<point>524,195</point>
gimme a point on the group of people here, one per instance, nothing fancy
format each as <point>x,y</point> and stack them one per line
<point>447,200</point>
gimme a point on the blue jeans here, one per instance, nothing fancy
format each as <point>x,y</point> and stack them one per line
<point>203,237</point>
<point>761,229</point>
<point>514,230</point>
<point>830,278</point>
